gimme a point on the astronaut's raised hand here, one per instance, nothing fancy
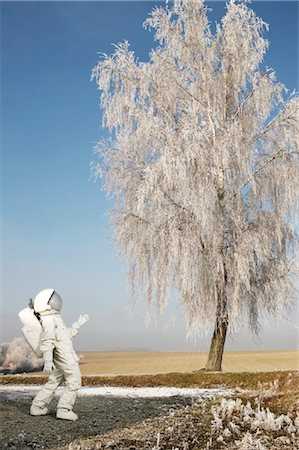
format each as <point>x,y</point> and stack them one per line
<point>83,319</point>
<point>48,367</point>
<point>73,330</point>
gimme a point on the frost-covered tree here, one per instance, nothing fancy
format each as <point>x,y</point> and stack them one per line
<point>17,356</point>
<point>202,161</point>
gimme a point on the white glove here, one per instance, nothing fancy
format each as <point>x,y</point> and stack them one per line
<point>48,367</point>
<point>73,330</point>
<point>82,319</point>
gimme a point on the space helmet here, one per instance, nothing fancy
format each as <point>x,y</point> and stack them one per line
<point>46,300</point>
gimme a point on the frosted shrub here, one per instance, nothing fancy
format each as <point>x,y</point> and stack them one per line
<point>217,424</point>
<point>267,390</point>
<point>20,358</point>
<point>248,442</point>
<point>227,407</point>
<point>226,433</point>
<point>264,419</point>
<point>233,415</point>
<point>3,352</point>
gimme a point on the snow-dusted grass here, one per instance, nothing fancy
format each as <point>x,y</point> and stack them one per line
<point>232,418</point>
<point>265,417</point>
<point>147,392</point>
<point>213,424</point>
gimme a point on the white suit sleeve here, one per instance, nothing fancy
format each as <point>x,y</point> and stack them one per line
<point>48,337</point>
<point>73,330</point>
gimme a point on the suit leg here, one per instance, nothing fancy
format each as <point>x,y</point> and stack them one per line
<point>46,394</point>
<point>72,377</point>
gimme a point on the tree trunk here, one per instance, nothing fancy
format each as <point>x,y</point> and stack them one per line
<point>214,362</point>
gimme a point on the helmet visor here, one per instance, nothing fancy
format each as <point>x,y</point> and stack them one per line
<point>55,301</point>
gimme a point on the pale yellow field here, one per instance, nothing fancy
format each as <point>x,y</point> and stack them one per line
<point>124,363</point>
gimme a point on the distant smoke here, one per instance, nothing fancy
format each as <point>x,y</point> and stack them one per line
<point>17,356</point>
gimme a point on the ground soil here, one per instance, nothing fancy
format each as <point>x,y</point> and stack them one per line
<point>98,415</point>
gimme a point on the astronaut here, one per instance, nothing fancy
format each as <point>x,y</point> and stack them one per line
<point>60,359</point>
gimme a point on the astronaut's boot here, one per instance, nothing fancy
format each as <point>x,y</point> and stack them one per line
<point>66,414</point>
<point>36,411</point>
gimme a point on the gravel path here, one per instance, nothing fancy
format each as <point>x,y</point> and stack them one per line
<point>97,415</point>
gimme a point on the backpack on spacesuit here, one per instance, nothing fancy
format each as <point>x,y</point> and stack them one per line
<point>45,300</point>
<point>32,329</point>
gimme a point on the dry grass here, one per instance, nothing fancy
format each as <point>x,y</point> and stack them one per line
<point>202,379</point>
<point>124,363</point>
<point>174,369</point>
<point>137,363</point>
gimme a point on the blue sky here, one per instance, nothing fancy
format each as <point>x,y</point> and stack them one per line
<point>55,231</point>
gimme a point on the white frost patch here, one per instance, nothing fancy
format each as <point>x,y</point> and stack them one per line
<point>150,392</point>
<point>108,391</point>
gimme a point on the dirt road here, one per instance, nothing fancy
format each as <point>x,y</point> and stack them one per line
<point>20,431</point>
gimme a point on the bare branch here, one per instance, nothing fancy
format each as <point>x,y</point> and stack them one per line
<point>247,98</point>
<point>240,108</point>
<point>136,216</point>
<point>177,205</point>
<point>273,123</point>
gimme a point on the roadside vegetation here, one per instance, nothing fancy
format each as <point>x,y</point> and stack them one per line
<point>263,413</point>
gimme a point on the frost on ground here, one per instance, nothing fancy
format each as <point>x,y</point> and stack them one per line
<point>254,427</point>
<point>244,423</point>
<point>230,424</point>
<point>13,391</point>
<point>152,392</point>
<point>251,425</point>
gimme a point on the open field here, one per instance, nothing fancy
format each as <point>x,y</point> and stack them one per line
<point>119,363</point>
<point>133,363</point>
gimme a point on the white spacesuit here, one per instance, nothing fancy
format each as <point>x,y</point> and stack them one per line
<point>60,359</point>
